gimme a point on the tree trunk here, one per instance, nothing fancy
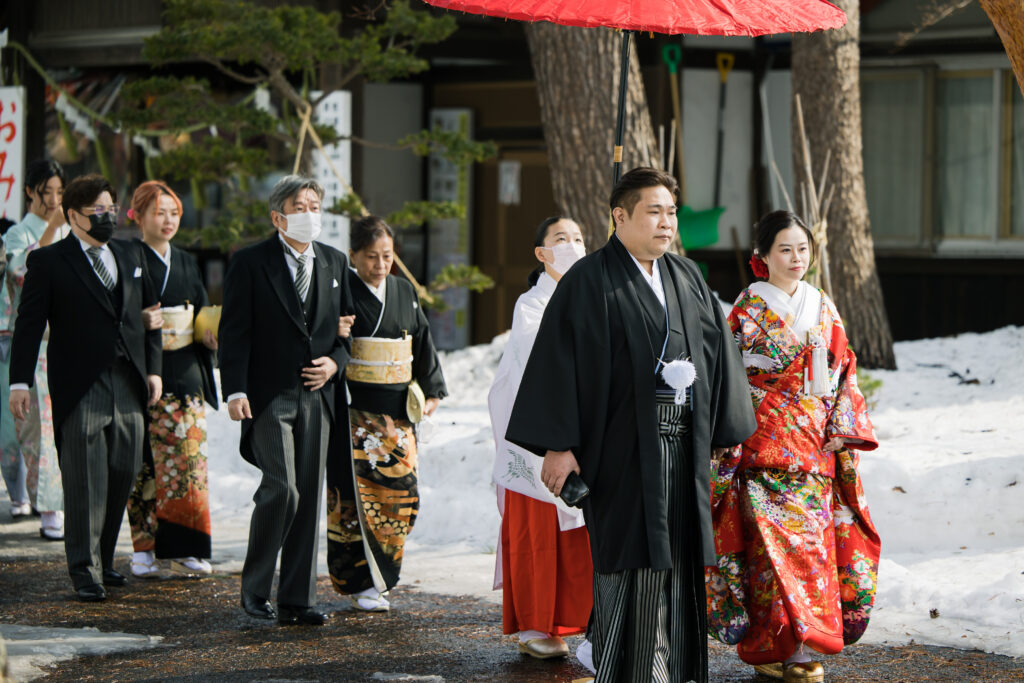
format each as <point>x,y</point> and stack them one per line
<point>826,75</point>
<point>577,72</point>
<point>1008,18</point>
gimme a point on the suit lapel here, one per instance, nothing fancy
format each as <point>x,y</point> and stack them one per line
<point>324,284</point>
<point>82,267</point>
<point>281,281</point>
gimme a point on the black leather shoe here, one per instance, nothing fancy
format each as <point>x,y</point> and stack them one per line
<point>257,607</point>
<point>300,615</point>
<point>92,593</point>
<point>113,578</point>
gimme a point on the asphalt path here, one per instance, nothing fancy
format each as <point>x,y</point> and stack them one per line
<point>426,637</point>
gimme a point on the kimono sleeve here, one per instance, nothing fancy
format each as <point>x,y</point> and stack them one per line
<point>33,312</point>
<point>732,416</point>
<point>546,415</point>
<point>426,364</point>
<point>849,417</point>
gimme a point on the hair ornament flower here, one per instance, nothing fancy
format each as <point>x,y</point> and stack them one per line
<point>758,266</point>
<point>131,214</point>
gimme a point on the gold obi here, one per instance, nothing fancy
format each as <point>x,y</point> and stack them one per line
<point>207,319</point>
<point>177,329</point>
<point>380,361</point>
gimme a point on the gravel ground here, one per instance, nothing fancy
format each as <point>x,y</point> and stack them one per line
<point>426,637</point>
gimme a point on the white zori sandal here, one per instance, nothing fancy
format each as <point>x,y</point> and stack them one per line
<point>370,600</point>
<point>191,565</point>
<point>144,565</point>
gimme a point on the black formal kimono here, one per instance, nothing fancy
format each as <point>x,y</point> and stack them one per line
<point>169,509</point>
<point>372,490</point>
<point>594,390</point>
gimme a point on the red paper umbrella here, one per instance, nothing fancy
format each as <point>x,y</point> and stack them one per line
<point>698,17</point>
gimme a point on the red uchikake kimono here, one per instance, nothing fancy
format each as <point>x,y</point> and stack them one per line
<point>797,551</point>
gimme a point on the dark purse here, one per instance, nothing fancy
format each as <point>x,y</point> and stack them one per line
<point>574,490</point>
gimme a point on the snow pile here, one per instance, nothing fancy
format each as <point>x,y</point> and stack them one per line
<point>945,488</point>
<point>32,649</point>
<point>946,491</point>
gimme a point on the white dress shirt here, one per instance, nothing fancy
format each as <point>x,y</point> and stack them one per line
<point>292,258</point>
<point>106,256</point>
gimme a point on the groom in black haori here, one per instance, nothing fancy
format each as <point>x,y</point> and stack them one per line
<point>638,380</point>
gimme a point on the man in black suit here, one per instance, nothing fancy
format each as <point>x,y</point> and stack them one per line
<point>280,357</point>
<point>103,369</point>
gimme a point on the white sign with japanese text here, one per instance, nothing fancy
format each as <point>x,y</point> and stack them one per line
<point>335,110</point>
<point>12,152</point>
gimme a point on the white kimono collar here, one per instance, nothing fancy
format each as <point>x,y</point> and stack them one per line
<point>800,311</point>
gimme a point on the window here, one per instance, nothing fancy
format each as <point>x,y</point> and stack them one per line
<point>892,106</point>
<point>966,191</point>
<point>1015,227</point>
<point>970,124</point>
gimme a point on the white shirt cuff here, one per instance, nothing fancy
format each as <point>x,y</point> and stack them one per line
<point>20,386</point>
<point>240,394</point>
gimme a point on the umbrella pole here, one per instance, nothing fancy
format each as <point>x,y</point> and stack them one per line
<point>620,121</point>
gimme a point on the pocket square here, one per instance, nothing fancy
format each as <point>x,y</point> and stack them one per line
<point>138,272</point>
<point>334,283</point>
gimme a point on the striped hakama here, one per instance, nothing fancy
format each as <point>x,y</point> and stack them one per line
<point>652,625</point>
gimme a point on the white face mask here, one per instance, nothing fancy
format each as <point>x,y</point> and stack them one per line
<point>303,227</point>
<point>566,255</point>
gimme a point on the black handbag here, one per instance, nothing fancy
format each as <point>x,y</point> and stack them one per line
<point>574,490</point>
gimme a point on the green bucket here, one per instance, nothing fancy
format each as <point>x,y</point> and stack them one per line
<point>699,228</point>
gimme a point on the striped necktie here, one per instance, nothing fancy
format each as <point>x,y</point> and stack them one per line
<point>302,277</point>
<point>101,270</point>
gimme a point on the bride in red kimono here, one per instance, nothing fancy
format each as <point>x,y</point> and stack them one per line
<point>797,551</point>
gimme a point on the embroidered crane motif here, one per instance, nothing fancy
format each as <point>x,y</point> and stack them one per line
<point>518,468</point>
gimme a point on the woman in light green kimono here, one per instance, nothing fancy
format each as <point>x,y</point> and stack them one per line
<point>42,225</point>
<point>12,465</point>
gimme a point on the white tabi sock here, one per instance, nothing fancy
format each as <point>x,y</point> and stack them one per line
<point>525,636</point>
<point>800,656</point>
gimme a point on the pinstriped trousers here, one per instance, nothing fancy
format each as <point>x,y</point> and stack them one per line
<point>100,456</point>
<point>652,625</point>
<point>289,445</point>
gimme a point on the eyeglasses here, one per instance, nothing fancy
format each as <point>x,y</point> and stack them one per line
<point>99,209</point>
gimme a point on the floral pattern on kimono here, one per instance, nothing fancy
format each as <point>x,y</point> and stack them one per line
<point>797,550</point>
<point>376,511</point>
<point>169,509</point>
<point>35,433</point>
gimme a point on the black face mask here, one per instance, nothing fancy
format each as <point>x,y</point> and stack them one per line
<point>101,228</point>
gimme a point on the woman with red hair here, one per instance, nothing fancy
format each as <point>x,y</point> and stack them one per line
<point>169,509</point>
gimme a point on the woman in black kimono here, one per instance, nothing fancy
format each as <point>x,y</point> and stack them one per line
<point>169,509</point>
<point>372,493</point>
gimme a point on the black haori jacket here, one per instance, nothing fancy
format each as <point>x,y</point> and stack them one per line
<point>589,386</point>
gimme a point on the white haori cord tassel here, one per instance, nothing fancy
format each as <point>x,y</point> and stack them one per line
<point>679,374</point>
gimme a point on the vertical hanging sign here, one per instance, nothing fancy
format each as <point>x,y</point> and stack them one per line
<point>450,238</point>
<point>335,110</point>
<point>12,152</point>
